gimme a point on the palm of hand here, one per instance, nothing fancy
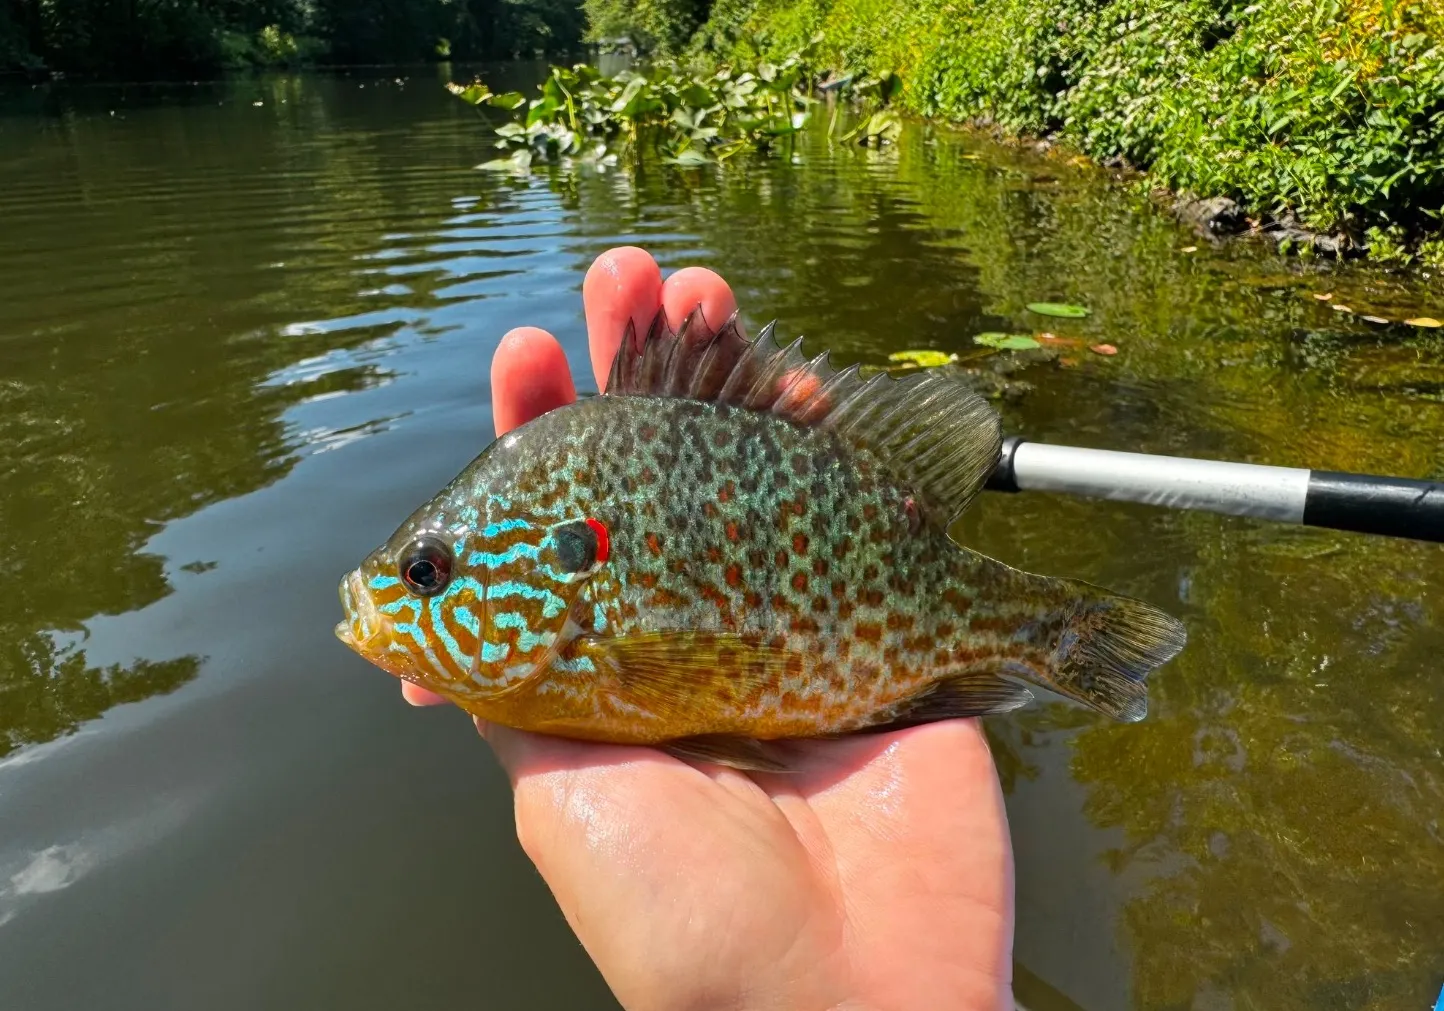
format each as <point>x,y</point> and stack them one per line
<point>876,875</point>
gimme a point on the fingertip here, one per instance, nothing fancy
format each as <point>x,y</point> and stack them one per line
<point>415,695</point>
<point>623,285</point>
<point>692,287</point>
<point>529,376</point>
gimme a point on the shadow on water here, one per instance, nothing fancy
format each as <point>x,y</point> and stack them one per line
<point>245,329</point>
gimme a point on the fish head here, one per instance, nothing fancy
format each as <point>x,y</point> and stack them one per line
<point>466,609</point>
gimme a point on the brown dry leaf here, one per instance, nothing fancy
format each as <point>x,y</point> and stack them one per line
<point>1068,362</point>
<point>1103,349</point>
<point>1340,307</point>
<point>1326,297</point>
<point>1374,319</point>
<point>1428,321</point>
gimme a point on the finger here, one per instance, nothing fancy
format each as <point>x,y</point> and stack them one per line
<point>529,376</point>
<point>418,696</point>
<point>523,754</point>
<point>623,285</point>
<point>692,287</point>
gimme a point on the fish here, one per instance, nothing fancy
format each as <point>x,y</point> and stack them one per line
<point>732,548</point>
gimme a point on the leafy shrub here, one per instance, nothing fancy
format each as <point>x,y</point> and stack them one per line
<point>1328,111</point>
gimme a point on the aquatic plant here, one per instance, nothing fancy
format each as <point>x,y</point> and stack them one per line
<point>691,119</point>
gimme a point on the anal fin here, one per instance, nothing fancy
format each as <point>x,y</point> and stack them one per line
<point>957,697</point>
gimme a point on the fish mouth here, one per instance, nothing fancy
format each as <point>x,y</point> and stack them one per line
<point>361,623</point>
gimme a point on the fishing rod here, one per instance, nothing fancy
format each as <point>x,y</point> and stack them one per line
<point>1362,503</point>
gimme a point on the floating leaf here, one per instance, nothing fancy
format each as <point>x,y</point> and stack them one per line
<point>1339,307</point>
<point>690,158</point>
<point>1427,321</point>
<point>924,359</point>
<point>518,162</point>
<point>474,94</point>
<point>1189,249</point>
<point>1374,319</point>
<point>1006,341</point>
<point>509,100</point>
<point>1058,309</point>
<point>1325,297</point>
<point>1103,349</point>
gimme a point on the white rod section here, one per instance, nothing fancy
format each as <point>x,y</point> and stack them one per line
<point>1237,489</point>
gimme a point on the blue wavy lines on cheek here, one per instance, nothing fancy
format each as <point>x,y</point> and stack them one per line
<point>467,620</point>
<point>408,604</point>
<point>526,639</point>
<point>383,582</point>
<point>497,529</point>
<point>448,641</point>
<point>599,618</point>
<point>576,665</point>
<point>514,553</point>
<point>492,653</point>
<point>552,605</point>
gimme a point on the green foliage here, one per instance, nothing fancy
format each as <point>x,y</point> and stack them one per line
<point>1327,112</point>
<point>168,38</point>
<point>691,120</point>
<point>658,26</point>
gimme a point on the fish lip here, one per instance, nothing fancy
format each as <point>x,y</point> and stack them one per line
<point>362,622</point>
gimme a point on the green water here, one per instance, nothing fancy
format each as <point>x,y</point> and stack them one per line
<point>246,327</point>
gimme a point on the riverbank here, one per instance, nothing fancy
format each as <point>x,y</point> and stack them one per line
<point>1320,122</point>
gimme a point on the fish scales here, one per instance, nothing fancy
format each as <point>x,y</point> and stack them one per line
<point>736,545</point>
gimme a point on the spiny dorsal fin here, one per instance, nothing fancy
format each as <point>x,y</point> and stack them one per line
<point>935,433</point>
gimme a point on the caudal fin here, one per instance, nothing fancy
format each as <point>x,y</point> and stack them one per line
<point>1106,650</point>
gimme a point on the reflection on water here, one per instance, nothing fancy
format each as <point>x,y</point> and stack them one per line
<point>246,328</point>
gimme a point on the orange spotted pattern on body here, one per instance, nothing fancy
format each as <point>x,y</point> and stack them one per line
<point>735,545</point>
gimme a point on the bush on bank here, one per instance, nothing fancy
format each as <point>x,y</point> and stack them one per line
<point>1327,113</point>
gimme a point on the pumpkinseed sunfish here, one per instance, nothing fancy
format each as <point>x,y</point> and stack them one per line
<point>735,545</point>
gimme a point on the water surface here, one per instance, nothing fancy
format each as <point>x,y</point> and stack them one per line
<point>245,328</point>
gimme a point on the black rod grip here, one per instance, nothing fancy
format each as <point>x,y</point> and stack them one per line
<point>1392,506</point>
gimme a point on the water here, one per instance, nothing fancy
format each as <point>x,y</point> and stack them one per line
<point>246,327</point>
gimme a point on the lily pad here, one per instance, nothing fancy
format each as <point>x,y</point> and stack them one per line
<point>1103,349</point>
<point>924,359</point>
<point>1006,341</point>
<point>1059,309</point>
<point>1426,321</point>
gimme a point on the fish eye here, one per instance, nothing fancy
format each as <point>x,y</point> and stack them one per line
<point>580,544</point>
<point>425,566</point>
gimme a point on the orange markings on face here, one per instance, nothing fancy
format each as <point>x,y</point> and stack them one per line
<point>734,575</point>
<point>799,581</point>
<point>654,544</point>
<point>733,534</point>
<point>799,543</point>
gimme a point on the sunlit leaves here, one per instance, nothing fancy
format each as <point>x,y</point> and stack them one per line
<point>1060,309</point>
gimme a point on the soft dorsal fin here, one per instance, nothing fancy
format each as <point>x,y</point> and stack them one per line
<point>934,432</point>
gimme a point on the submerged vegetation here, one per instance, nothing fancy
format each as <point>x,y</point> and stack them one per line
<point>1323,119</point>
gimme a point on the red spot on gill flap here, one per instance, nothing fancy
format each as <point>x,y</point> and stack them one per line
<point>604,540</point>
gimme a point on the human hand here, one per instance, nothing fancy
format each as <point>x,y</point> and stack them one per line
<point>878,874</point>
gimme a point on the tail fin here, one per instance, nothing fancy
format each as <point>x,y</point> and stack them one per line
<point>1106,650</point>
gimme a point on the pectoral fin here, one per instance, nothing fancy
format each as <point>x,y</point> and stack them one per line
<point>743,753</point>
<point>672,672</point>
